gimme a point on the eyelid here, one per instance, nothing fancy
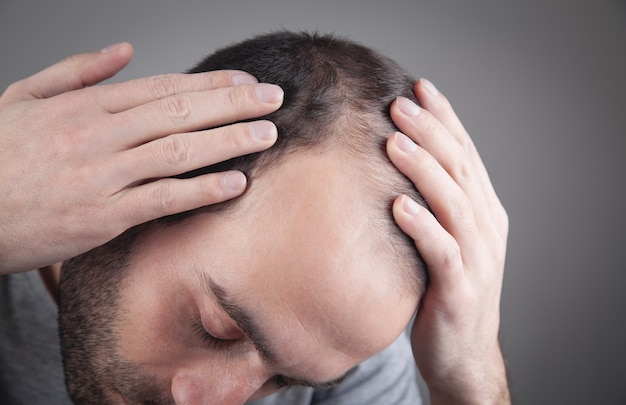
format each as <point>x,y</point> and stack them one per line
<point>206,336</point>
<point>280,381</point>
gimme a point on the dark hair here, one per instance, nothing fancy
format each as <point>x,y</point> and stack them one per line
<point>337,94</point>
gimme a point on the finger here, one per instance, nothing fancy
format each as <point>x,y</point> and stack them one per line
<point>181,153</point>
<point>463,164</point>
<point>428,132</point>
<point>72,73</point>
<point>448,201</point>
<point>170,196</point>
<point>119,97</point>
<point>437,247</point>
<point>439,106</point>
<point>194,111</point>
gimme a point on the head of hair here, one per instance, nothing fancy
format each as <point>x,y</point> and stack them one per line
<point>337,95</point>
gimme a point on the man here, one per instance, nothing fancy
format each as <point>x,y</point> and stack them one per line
<point>298,282</point>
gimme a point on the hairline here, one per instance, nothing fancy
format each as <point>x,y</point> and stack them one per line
<point>387,233</point>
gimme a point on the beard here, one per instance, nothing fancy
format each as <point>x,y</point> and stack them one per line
<point>89,313</point>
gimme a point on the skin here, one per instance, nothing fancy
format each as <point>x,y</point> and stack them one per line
<point>455,335</point>
<point>50,120</point>
<point>297,256</point>
<point>83,163</point>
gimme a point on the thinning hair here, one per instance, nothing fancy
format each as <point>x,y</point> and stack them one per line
<point>337,95</point>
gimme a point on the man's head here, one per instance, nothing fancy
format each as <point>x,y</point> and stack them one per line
<point>299,279</point>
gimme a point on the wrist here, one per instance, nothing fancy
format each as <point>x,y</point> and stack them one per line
<point>479,384</point>
<point>498,396</point>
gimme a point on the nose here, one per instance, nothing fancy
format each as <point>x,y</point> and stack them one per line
<point>231,383</point>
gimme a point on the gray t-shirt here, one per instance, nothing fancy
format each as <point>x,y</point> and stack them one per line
<point>31,371</point>
<point>30,357</point>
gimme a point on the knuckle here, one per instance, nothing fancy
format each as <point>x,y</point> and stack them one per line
<point>178,107</point>
<point>218,78</point>
<point>461,206</point>
<point>463,170</point>
<point>175,151</point>
<point>163,85</point>
<point>17,88</point>
<point>236,98</point>
<point>211,189</point>
<point>450,256</point>
<point>163,198</point>
<point>71,61</point>
<point>238,138</point>
<point>468,145</point>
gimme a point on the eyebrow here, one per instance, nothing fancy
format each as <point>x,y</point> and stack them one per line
<point>259,340</point>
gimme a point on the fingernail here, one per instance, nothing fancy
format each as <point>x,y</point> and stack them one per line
<point>234,181</point>
<point>242,78</point>
<point>405,143</point>
<point>263,130</point>
<point>430,88</point>
<point>409,206</point>
<point>269,93</point>
<point>407,107</point>
<point>112,48</point>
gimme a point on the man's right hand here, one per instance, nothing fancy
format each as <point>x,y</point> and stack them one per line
<point>81,164</point>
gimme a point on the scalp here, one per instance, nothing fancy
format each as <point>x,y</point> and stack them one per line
<point>337,96</point>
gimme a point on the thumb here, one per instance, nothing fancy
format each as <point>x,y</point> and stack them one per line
<point>73,73</point>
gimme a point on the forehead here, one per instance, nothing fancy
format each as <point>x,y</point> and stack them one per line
<point>298,253</point>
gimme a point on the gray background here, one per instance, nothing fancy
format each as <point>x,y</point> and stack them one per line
<point>540,86</point>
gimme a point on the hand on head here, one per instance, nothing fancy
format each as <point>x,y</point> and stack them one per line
<point>82,164</point>
<point>463,242</point>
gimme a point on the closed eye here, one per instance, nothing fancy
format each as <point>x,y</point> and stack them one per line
<point>281,381</point>
<point>206,337</point>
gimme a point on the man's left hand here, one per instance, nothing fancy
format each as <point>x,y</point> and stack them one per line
<point>463,242</point>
